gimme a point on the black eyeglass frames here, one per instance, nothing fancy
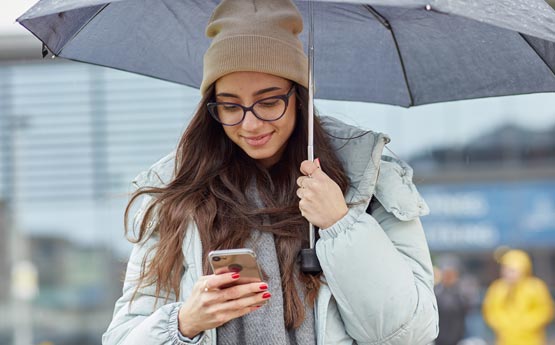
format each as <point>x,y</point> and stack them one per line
<point>266,109</point>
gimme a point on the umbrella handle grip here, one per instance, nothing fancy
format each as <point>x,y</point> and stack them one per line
<point>309,261</point>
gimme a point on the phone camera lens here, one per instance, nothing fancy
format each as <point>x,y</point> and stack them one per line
<point>216,258</point>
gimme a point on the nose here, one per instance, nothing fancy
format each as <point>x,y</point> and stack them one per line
<point>251,122</point>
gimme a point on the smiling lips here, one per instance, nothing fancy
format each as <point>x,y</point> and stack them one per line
<point>259,140</point>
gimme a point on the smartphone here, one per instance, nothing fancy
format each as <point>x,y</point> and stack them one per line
<point>242,261</point>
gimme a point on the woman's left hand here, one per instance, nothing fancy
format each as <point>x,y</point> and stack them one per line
<point>322,202</point>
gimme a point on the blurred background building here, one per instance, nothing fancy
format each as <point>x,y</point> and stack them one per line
<point>73,136</point>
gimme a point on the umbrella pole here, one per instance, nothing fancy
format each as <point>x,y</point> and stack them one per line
<point>309,260</point>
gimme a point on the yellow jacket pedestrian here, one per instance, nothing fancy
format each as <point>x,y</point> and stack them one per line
<point>518,306</point>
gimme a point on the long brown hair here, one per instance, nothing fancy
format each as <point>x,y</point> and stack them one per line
<point>210,189</point>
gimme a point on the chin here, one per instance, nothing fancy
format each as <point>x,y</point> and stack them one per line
<point>259,155</point>
<point>262,157</point>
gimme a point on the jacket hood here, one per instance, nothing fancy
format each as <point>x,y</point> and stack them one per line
<point>360,154</point>
<point>372,173</point>
<point>518,260</point>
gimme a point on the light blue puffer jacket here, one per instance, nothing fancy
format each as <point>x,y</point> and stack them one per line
<point>377,267</point>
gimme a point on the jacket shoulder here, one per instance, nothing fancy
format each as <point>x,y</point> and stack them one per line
<point>396,191</point>
<point>536,284</point>
<point>158,175</point>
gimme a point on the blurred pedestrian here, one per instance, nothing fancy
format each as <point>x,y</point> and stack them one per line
<point>452,302</point>
<point>518,306</point>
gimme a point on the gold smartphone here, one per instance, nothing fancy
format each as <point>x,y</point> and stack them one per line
<point>242,261</point>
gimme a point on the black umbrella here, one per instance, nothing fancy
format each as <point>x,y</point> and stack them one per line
<point>400,52</point>
<point>407,53</point>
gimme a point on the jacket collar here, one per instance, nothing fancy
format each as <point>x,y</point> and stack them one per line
<point>360,153</point>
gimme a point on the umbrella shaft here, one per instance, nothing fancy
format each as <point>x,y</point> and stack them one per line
<point>311,234</point>
<point>310,82</point>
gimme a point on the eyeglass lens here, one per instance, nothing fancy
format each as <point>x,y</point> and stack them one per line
<point>268,109</point>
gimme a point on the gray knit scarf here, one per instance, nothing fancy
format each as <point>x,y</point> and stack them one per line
<point>266,326</point>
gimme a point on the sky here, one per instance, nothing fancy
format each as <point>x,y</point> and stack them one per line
<point>412,130</point>
<point>9,11</point>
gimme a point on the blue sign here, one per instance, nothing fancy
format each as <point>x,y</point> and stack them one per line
<point>486,215</point>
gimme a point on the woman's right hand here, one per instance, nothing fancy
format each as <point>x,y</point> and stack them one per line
<point>211,304</point>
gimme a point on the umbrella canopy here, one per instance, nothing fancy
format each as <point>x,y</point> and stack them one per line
<point>400,52</point>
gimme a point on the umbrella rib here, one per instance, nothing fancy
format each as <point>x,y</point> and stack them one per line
<point>81,29</point>
<point>380,18</point>
<point>537,53</point>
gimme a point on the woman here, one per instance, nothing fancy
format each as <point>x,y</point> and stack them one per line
<point>518,306</point>
<point>239,179</point>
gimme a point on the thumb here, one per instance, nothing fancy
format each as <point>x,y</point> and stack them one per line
<point>317,162</point>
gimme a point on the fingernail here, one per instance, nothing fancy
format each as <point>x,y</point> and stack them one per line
<point>263,287</point>
<point>266,295</point>
<point>318,161</point>
<point>235,276</point>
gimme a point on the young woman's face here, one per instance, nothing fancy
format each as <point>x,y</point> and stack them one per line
<point>264,141</point>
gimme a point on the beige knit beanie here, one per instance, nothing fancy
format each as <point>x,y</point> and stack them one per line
<point>257,36</point>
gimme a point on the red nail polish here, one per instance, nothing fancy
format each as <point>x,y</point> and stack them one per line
<point>235,276</point>
<point>266,295</point>
<point>263,287</point>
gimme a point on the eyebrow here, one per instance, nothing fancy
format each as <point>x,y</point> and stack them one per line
<point>257,93</point>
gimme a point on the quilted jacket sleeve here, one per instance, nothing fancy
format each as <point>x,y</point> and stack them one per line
<point>378,266</point>
<point>145,319</point>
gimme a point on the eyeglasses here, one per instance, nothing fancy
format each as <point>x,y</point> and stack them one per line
<point>266,109</point>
